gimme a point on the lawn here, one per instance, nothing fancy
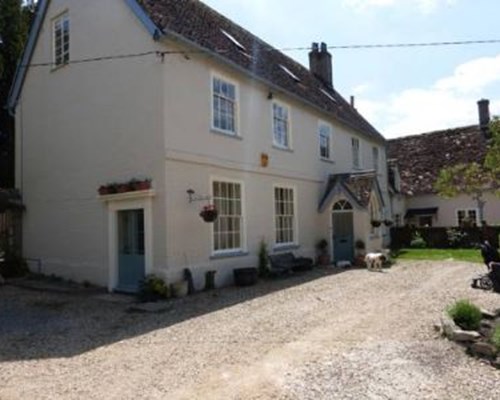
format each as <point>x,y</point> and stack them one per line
<point>471,255</point>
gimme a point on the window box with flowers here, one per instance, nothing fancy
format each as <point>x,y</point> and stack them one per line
<point>209,213</point>
<point>131,186</point>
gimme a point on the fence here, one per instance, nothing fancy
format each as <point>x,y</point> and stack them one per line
<point>443,238</point>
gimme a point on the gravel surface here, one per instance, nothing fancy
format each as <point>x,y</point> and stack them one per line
<point>321,335</point>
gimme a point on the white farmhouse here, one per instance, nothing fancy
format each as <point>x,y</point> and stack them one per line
<point>199,112</point>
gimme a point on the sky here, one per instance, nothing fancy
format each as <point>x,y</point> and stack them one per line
<point>400,91</point>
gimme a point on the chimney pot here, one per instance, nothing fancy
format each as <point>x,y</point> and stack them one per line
<point>353,101</point>
<point>484,116</point>
<point>320,63</point>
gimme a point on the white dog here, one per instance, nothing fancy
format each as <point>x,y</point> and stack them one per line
<point>375,261</point>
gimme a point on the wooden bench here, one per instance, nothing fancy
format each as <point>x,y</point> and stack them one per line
<point>287,262</point>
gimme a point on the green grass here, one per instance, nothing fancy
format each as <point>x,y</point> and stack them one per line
<point>470,255</point>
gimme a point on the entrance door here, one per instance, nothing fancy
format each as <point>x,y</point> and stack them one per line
<point>343,229</point>
<point>131,261</point>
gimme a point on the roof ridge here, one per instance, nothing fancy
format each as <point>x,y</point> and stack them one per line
<point>437,132</point>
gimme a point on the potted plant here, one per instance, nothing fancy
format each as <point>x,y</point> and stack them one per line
<point>376,223</point>
<point>360,247</point>
<point>322,248</point>
<point>209,213</point>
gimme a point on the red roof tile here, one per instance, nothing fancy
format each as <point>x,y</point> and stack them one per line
<point>421,157</point>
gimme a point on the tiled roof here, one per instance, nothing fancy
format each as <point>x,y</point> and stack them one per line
<point>203,26</point>
<point>420,157</point>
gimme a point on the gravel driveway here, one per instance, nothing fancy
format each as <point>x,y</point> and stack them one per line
<point>322,335</point>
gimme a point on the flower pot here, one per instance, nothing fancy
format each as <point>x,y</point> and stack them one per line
<point>209,215</point>
<point>143,185</point>
<point>245,276</point>
<point>323,259</point>
<point>123,188</point>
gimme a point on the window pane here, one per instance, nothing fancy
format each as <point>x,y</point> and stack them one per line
<point>227,227</point>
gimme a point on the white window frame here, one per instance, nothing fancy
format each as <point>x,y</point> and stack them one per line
<point>243,245</point>
<point>295,225</point>
<point>61,19</point>
<point>224,79</point>
<point>288,121</point>
<point>323,124</point>
<point>466,211</point>
<point>376,158</point>
<point>354,164</point>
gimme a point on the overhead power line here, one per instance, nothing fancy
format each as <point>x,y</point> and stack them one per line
<point>402,45</point>
<point>162,54</point>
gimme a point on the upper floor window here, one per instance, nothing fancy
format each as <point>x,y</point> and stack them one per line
<point>61,39</point>
<point>325,141</point>
<point>375,158</point>
<point>356,161</point>
<point>224,106</point>
<point>281,125</point>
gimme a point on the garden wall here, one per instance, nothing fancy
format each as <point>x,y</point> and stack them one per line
<point>444,238</point>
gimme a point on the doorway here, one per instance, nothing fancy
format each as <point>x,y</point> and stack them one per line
<point>131,250</point>
<point>343,231</point>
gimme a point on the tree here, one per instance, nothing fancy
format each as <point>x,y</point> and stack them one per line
<point>15,20</point>
<point>474,179</point>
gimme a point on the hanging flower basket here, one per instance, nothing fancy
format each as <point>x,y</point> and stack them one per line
<point>209,213</point>
<point>376,223</point>
<point>388,222</point>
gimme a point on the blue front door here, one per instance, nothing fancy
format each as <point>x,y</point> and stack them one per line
<point>131,265</point>
<point>343,241</point>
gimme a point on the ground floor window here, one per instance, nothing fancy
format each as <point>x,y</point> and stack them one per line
<point>284,215</point>
<point>228,227</point>
<point>467,217</point>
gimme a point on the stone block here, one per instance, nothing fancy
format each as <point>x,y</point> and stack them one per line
<point>460,335</point>
<point>484,349</point>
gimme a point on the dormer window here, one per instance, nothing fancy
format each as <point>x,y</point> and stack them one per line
<point>233,40</point>
<point>290,73</point>
<point>61,40</point>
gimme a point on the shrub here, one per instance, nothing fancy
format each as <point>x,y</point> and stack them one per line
<point>263,259</point>
<point>495,338</point>
<point>418,241</point>
<point>456,238</point>
<point>465,314</point>
<point>153,288</point>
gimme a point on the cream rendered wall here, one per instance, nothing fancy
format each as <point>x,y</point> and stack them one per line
<point>84,125</point>
<point>448,207</point>
<point>195,154</point>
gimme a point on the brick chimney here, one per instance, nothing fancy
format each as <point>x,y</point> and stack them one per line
<point>483,106</point>
<point>320,63</point>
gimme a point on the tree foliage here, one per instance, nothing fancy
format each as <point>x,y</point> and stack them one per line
<point>15,20</point>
